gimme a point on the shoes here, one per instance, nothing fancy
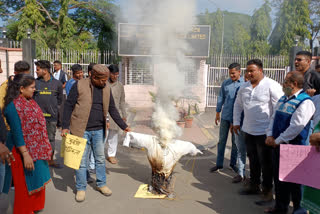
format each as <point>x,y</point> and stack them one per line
<point>250,190</point>
<point>80,196</point>
<point>238,179</point>
<point>215,168</point>
<point>112,160</point>
<point>234,168</point>
<point>104,190</point>
<point>276,210</point>
<point>267,197</point>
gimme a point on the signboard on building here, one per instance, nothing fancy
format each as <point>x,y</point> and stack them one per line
<point>138,40</point>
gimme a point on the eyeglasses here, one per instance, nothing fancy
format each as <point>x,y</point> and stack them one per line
<point>298,59</point>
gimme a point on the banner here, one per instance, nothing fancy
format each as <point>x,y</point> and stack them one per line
<point>300,164</point>
<point>72,149</point>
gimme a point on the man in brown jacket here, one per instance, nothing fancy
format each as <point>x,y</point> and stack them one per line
<point>119,100</point>
<point>85,113</point>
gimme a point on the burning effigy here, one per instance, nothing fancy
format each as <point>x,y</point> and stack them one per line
<point>162,159</point>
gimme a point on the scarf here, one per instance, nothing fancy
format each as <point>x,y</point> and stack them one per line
<point>34,129</point>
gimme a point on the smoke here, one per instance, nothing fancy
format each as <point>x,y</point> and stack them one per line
<point>172,20</point>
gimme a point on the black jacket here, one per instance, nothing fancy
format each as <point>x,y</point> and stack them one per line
<point>311,81</point>
<point>49,95</point>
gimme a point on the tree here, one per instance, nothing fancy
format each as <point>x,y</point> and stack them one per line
<point>60,23</point>
<point>260,28</point>
<point>314,8</point>
<point>293,19</point>
<point>240,40</point>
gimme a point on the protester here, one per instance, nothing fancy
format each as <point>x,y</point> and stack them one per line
<point>289,124</point>
<point>257,98</point>
<point>48,96</point>
<point>241,146</point>
<point>119,100</point>
<point>85,115</point>
<point>225,103</point>
<point>311,196</point>
<point>5,154</point>
<point>59,74</point>
<point>311,83</point>
<point>77,74</point>
<point>28,141</point>
<point>20,67</point>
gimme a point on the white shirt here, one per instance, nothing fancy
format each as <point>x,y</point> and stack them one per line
<point>316,116</point>
<point>299,120</point>
<point>258,104</point>
<point>56,75</point>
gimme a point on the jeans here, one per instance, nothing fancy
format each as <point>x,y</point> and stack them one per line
<point>223,136</point>
<point>96,143</point>
<point>242,153</point>
<point>260,160</point>
<point>51,129</point>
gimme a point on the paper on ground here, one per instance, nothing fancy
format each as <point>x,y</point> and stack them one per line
<point>144,193</point>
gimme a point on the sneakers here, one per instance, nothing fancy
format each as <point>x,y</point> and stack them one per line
<point>80,196</point>
<point>250,190</point>
<point>238,179</point>
<point>215,168</point>
<point>104,190</point>
<point>112,160</point>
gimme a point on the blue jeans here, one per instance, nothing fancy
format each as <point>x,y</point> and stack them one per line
<point>96,143</point>
<point>223,137</point>
<point>242,153</point>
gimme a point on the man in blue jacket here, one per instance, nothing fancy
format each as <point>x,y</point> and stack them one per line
<point>225,104</point>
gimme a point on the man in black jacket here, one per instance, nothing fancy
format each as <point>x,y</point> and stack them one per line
<point>48,95</point>
<point>311,78</point>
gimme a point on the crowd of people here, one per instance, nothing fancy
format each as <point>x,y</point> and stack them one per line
<point>261,114</point>
<point>32,109</point>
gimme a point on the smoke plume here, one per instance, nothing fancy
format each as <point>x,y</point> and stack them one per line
<point>172,19</point>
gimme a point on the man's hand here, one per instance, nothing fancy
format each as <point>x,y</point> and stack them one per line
<point>217,120</point>
<point>127,129</point>
<point>236,129</point>
<point>311,92</point>
<point>64,132</point>
<point>5,154</point>
<point>270,141</point>
<point>108,125</point>
<point>28,162</point>
<point>231,128</point>
<point>315,140</point>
